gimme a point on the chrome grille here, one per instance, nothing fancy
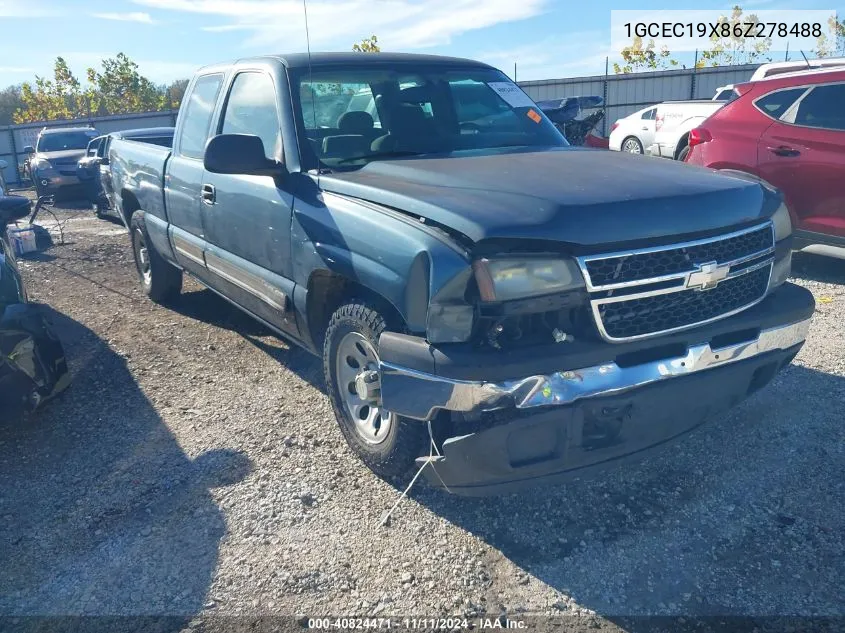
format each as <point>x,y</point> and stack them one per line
<point>641,293</point>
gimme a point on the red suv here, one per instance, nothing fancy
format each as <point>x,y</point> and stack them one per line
<point>790,132</point>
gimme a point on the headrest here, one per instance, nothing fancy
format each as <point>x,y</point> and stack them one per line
<point>355,122</point>
<point>345,145</point>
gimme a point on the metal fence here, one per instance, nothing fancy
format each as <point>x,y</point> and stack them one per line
<point>13,138</point>
<point>625,94</point>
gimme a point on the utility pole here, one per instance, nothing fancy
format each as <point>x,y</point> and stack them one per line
<point>514,72</point>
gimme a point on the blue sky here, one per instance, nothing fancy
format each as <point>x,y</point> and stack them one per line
<point>170,38</point>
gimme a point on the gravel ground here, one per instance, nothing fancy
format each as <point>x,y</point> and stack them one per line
<point>194,467</point>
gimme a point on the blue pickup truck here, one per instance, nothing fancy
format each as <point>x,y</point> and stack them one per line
<point>477,288</point>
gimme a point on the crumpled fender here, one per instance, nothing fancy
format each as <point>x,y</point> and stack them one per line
<point>33,368</point>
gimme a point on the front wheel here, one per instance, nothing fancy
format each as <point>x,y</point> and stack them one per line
<point>160,280</point>
<point>385,441</point>
<point>682,155</point>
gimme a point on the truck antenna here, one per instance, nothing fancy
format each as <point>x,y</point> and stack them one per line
<point>310,75</point>
<point>805,59</point>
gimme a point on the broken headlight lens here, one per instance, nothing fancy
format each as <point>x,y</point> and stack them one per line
<point>508,279</point>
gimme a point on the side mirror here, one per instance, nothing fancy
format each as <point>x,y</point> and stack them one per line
<point>239,154</point>
<point>12,209</point>
<point>29,149</point>
<point>103,160</point>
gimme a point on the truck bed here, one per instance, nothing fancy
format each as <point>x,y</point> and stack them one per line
<point>137,173</point>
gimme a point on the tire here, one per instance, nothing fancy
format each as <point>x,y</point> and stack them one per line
<point>631,145</point>
<point>160,280</point>
<point>682,155</point>
<point>353,328</point>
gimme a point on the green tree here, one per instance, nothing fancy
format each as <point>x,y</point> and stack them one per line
<point>118,89</point>
<point>832,46</point>
<point>735,48</point>
<point>10,101</point>
<point>638,57</point>
<point>367,45</point>
<point>176,92</point>
<point>51,99</point>
<point>121,89</point>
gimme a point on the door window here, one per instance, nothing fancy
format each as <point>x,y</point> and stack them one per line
<point>649,114</point>
<point>251,109</point>
<point>198,111</point>
<point>822,108</point>
<point>776,103</point>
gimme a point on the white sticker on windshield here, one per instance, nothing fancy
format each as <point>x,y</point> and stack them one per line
<point>512,94</point>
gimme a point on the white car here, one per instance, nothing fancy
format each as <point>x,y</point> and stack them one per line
<point>634,133</point>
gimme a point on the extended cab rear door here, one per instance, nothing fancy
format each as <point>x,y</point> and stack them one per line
<point>184,173</point>
<point>803,154</point>
<point>247,219</point>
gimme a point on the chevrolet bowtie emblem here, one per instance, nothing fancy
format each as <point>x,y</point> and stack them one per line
<point>707,276</point>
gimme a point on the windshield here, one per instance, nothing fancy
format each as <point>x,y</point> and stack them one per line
<point>58,141</point>
<point>352,115</point>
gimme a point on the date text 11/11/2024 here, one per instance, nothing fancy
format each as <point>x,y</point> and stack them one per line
<point>415,624</point>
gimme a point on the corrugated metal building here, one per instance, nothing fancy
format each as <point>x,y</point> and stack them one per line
<point>624,94</point>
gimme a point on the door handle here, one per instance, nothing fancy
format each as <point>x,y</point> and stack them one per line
<point>783,150</point>
<point>209,195</point>
<point>645,128</point>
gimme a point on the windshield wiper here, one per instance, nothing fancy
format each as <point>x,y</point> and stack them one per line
<point>393,154</point>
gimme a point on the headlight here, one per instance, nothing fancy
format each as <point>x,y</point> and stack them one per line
<point>782,223</point>
<point>42,163</point>
<point>507,279</point>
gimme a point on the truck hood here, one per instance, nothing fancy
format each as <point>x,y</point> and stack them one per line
<point>579,196</point>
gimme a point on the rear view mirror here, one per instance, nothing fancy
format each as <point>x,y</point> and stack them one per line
<point>29,149</point>
<point>12,209</point>
<point>239,154</point>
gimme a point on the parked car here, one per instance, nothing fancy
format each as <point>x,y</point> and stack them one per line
<point>672,122</point>
<point>52,162</point>
<point>524,307</point>
<point>788,131</point>
<point>633,133</point>
<point>93,168</point>
<point>32,363</point>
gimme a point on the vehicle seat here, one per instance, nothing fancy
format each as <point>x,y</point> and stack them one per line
<point>356,129</point>
<point>409,130</point>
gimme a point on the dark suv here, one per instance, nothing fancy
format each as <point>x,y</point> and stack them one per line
<point>52,162</point>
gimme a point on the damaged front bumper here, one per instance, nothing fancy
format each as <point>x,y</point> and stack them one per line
<point>32,361</point>
<point>598,412</point>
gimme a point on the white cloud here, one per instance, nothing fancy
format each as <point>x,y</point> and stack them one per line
<point>24,9</point>
<point>16,69</point>
<point>553,57</point>
<point>399,24</point>
<point>137,16</point>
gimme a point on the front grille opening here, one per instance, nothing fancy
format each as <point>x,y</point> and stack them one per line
<point>734,338</point>
<point>651,354</point>
<point>659,313</point>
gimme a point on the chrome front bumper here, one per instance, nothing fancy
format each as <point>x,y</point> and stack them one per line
<point>421,395</point>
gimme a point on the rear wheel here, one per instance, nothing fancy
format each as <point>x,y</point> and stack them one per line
<point>160,280</point>
<point>385,441</point>
<point>632,145</point>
